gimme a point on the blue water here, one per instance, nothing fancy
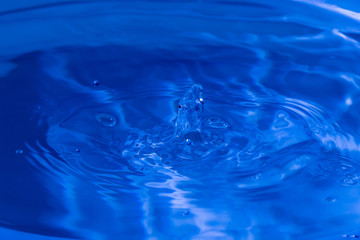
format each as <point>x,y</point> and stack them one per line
<point>187,119</point>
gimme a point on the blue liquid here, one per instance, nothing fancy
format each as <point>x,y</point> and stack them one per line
<point>189,119</point>
<point>95,145</point>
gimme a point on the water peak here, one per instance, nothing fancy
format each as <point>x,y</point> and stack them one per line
<point>190,114</point>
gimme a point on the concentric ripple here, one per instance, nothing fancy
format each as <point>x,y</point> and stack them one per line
<point>181,119</point>
<point>253,141</point>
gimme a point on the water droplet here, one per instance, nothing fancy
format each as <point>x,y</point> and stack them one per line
<point>106,119</point>
<point>19,151</point>
<point>330,199</point>
<point>96,82</point>
<point>188,141</point>
<point>186,212</point>
<point>349,182</point>
<point>348,101</point>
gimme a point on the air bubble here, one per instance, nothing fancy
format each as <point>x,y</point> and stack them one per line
<point>350,236</point>
<point>106,119</point>
<point>125,153</point>
<point>19,151</point>
<point>349,182</point>
<point>330,199</point>
<point>77,150</point>
<point>96,82</point>
<point>188,141</point>
<point>186,212</point>
<point>353,176</point>
<point>255,177</point>
<point>217,122</point>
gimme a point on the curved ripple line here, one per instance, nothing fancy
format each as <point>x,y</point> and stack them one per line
<point>333,8</point>
<point>47,161</point>
<point>40,6</point>
<point>322,126</point>
<point>334,165</point>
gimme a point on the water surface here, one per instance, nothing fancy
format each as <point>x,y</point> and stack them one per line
<point>91,142</point>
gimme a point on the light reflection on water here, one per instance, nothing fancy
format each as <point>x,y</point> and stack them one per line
<point>97,99</point>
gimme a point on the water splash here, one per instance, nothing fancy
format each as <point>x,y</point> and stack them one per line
<point>188,124</point>
<point>268,150</point>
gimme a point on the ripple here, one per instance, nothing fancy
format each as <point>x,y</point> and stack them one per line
<point>280,137</point>
<point>335,165</point>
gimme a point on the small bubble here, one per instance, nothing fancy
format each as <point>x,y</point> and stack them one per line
<point>186,212</point>
<point>77,150</point>
<point>255,177</point>
<point>349,182</point>
<point>96,82</point>
<point>124,152</point>
<point>350,236</point>
<point>188,141</point>
<point>216,122</point>
<point>330,199</point>
<point>106,119</point>
<point>19,151</point>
